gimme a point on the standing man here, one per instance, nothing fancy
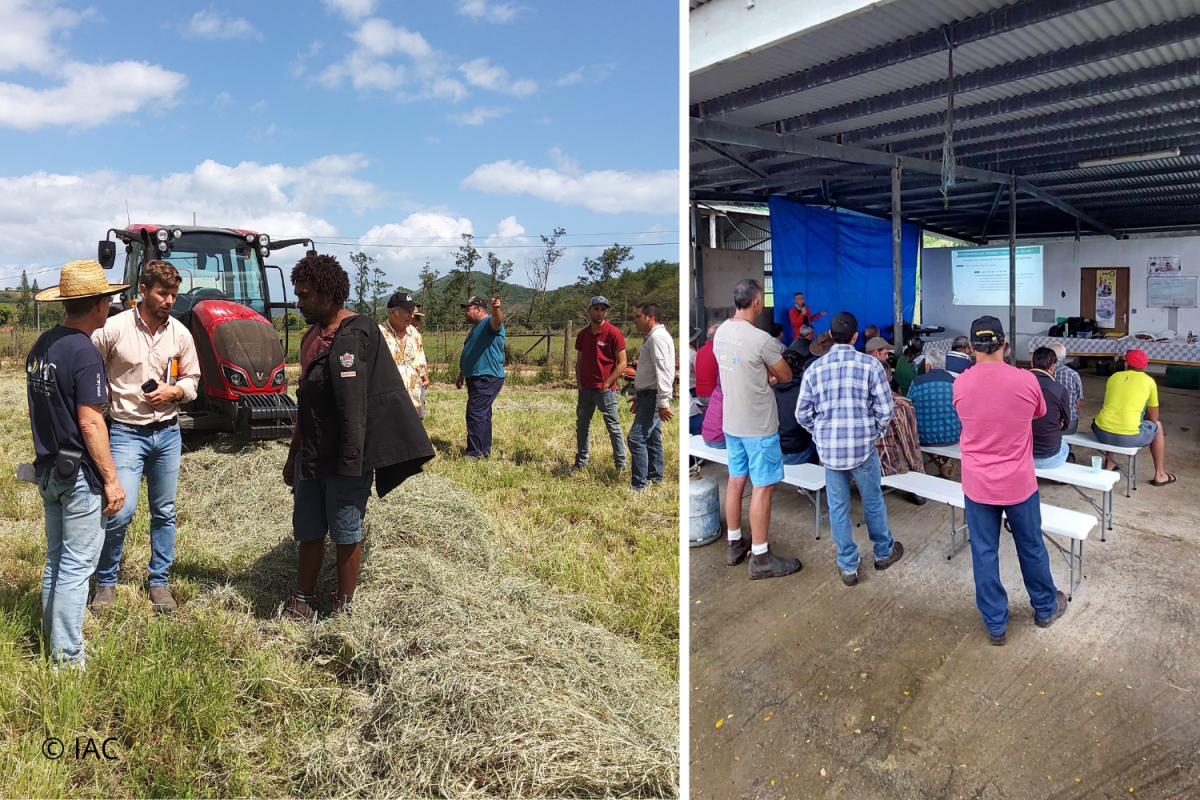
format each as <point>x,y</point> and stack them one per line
<point>354,424</point>
<point>601,361</point>
<point>997,404</point>
<point>66,385</point>
<point>800,314</point>
<point>1069,379</point>
<point>653,385</point>
<point>152,368</point>
<point>846,402</point>
<point>748,358</point>
<point>481,367</point>
<point>405,345</point>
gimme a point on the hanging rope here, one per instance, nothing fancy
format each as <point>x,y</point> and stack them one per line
<point>948,178</point>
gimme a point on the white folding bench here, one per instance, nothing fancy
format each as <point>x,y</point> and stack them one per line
<point>1088,439</point>
<point>809,479</point>
<point>1077,476</point>
<point>1074,525</point>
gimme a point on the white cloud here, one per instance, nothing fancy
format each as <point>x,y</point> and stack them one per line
<point>479,72</point>
<point>423,235</point>
<point>367,66</point>
<point>593,74</point>
<point>483,11</point>
<point>575,76</point>
<point>223,99</point>
<point>477,116</point>
<point>80,95</point>
<point>280,200</point>
<point>261,105</point>
<point>352,10</point>
<point>380,38</point>
<point>211,24</point>
<point>257,134</point>
<point>563,162</point>
<point>604,191</point>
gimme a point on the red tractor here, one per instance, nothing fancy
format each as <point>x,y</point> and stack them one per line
<point>225,303</point>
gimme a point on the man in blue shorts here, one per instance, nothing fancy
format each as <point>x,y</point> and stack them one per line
<point>747,357</point>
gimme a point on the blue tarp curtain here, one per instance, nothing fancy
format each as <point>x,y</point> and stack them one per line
<point>841,261</point>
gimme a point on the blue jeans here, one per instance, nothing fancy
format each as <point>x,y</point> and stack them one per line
<point>74,534</point>
<point>585,409</point>
<point>805,456</point>
<point>867,477</point>
<point>1025,519</point>
<point>1055,461</point>
<point>155,454</point>
<point>645,442</point>
<point>695,421</point>
<point>481,393</point>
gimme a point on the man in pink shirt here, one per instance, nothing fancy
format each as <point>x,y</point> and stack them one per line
<point>997,404</point>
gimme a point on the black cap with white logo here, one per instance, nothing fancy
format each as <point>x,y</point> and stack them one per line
<point>986,330</point>
<point>402,300</point>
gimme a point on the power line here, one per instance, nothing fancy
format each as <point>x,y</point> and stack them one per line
<point>495,247</point>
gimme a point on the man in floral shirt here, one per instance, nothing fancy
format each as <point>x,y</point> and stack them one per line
<point>406,347</point>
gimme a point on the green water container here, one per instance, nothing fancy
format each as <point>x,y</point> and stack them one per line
<point>1104,368</point>
<point>1183,377</point>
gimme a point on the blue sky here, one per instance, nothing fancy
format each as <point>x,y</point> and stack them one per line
<point>382,125</point>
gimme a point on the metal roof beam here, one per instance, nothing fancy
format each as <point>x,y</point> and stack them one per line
<point>1160,35</point>
<point>725,133</point>
<point>721,151</point>
<point>1072,155</point>
<point>992,23</point>
<point>1147,140</point>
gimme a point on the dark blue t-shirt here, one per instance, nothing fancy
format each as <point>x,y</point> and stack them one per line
<point>64,370</point>
<point>483,351</point>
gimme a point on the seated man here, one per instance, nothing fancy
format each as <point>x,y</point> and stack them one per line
<point>710,428</point>
<point>803,342</point>
<point>1069,379</point>
<point>696,409</point>
<point>959,360</point>
<point>795,442</point>
<point>1049,448</point>
<point>932,396</point>
<point>1129,417</point>
<point>898,449</point>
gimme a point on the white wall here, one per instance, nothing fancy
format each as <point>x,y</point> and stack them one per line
<point>1061,263</point>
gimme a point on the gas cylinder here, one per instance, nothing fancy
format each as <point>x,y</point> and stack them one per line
<point>704,507</point>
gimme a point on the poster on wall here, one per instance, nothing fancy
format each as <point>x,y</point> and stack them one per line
<point>1164,265</point>
<point>1106,298</point>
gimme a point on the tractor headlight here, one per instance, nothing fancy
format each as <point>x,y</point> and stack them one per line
<point>176,233</point>
<point>235,377</point>
<point>161,234</point>
<point>162,246</point>
<point>250,238</point>
<point>264,251</point>
<point>263,239</point>
<point>279,378</point>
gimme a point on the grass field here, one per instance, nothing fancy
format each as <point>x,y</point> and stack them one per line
<point>516,634</point>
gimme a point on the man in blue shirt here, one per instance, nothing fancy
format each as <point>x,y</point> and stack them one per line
<point>481,367</point>
<point>932,396</point>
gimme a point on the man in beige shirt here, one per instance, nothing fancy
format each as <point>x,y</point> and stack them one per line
<point>406,347</point>
<point>139,346</point>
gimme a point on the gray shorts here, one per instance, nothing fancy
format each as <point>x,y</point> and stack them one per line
<point>1142,438</point>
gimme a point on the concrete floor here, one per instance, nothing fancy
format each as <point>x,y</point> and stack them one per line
<point>890,689</point>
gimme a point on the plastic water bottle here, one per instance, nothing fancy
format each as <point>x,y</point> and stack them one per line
<point>1191,338</point>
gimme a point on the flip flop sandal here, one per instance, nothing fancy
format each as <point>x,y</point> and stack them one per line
<point>1170,479</point>
<point>301,608</point>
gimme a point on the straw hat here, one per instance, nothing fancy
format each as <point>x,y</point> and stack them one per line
<point>80,279</point>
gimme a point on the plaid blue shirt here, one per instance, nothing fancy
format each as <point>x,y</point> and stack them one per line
<point>846,403</point>
<point>932,396</point>
<point>1069,379</point>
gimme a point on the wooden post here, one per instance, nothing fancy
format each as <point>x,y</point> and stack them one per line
<point>548,332</point>
<point>566,349</point>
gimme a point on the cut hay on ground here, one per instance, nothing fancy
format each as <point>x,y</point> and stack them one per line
<point>478,681</point>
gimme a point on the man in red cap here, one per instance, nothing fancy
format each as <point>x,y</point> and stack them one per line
<point>1129,417</point>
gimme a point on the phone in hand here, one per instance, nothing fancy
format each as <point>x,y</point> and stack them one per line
<point>149,386</point>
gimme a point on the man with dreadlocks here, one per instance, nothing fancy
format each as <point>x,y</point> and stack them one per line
<point>348,386</point>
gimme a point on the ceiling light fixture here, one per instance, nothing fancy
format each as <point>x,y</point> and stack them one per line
<point>1106,162</point>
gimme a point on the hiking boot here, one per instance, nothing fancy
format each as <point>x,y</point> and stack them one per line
<point>850,578</point>
<point>996,638</point>
<point>1059,610</point>
<point>769,565</point>
<point>105,595</point>
<point>736,551</point>
<point>161,599</point>
<point>897,554</point>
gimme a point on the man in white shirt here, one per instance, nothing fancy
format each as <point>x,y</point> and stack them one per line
<point>653,383</point>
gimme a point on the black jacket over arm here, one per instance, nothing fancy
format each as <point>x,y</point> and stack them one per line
<point>355,414</point>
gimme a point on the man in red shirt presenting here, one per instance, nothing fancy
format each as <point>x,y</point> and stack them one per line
<point>601,361</point>
<point>997,404</point>
<point>801,314</point>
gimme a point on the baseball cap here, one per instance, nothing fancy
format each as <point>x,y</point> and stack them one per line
<point>821,344</point>
<point>599,300</point>
<point>402,300</point>
<point>1137,359</point>
<point>986,330</point>
<point>877,343</point>
<point>418,314</point>
<point>695,334</point>
<point>475,300</point>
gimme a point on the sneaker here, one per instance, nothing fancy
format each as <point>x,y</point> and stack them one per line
<point>850,578</point>
<point>1059,609</point>
<point>105,595</point>
<point>161,599</point>
<point>769,565</point>
<point>996,638</point>
<point>736,551</point>
<point>916,499</point>
<point>897,554</point>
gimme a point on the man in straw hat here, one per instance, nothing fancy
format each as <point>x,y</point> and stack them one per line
<point>601,361</point>
<point>152,368</point>
<point>66,387</point>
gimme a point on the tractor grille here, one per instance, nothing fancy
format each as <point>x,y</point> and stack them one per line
<point>269,407</point>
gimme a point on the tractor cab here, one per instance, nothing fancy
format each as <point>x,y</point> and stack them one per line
<point>226,304</point>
